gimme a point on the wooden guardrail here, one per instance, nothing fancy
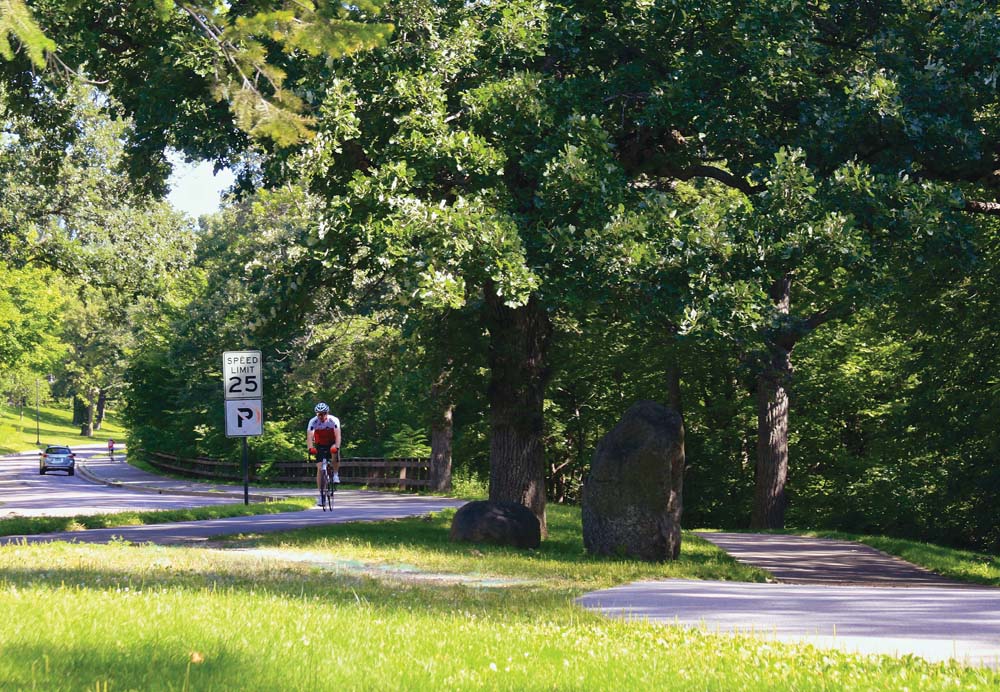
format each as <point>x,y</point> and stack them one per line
<point>402,472</point>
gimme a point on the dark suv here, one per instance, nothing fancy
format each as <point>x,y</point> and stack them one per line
<point>61,458</point>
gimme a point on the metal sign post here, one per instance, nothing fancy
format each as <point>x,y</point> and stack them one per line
<point>246,474</point>
<point>243,382</point>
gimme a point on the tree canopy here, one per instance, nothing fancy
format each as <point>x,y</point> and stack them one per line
<point>532,214</point>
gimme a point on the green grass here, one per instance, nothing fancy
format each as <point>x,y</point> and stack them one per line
<point>122,616</point>
<point>18,428</point>
<point>24,526</point>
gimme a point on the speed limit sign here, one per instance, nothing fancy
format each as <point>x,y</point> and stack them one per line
<point>242,374</point>
<point>243,382</point>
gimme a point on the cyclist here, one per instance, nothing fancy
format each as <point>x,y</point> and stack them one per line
<point>323,440</point>
<point>111,450</point>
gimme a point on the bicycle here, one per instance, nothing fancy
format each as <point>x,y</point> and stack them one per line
<point>327,487</point>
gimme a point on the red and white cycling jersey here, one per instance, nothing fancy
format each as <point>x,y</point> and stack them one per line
<point>324,432</point>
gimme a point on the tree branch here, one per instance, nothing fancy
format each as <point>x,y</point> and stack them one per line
<point>977,207</point>
<point>664,153</point>
<point>722,176</point>
<point>835,312</point>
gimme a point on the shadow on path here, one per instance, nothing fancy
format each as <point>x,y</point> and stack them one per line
<point>803,560</point>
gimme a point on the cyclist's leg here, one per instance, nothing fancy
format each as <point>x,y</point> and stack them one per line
<point>335,462</point>
<point>320,477</point>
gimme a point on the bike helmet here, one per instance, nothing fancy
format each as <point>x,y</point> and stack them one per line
<point>322,408</point>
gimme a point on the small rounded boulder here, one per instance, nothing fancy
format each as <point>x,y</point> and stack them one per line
<point>500,523</point>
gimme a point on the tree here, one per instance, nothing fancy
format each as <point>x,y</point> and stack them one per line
<point>101,242</point>
<point>758,171</point>
<point>197,77</point>
<point>431,180</point>
<point>30,305</point>
<point>70,207</point>
<point>851,134</point>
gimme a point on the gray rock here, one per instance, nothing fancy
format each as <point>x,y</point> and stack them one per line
<point>502,523</point>
<point>632,496</point>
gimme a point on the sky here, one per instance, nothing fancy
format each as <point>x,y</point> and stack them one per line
<point>194,189</point>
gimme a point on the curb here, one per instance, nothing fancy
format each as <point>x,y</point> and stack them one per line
<point>81,468</point>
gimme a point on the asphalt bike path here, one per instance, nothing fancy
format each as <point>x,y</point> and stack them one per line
<point>94,465</point>
<point>841,595</point>
<point>804,560</point>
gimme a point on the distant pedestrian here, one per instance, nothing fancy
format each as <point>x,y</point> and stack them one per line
<point>111,450</point>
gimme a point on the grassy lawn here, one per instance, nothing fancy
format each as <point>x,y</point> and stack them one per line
<point>23,526</point>
<point>17,428</point>
<point>122,616</point>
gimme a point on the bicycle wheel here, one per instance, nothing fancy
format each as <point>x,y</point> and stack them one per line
<point>331,491</point>
<point>327,492</point>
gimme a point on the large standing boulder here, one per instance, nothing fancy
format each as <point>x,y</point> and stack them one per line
<point>502,523</point>
<point>632,496</point>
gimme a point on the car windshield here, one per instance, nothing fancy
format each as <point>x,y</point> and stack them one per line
<point>57,450</point>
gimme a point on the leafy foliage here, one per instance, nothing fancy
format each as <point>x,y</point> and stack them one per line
<point>219,52</point>
<point>692,190</point>
<point>16,21</point>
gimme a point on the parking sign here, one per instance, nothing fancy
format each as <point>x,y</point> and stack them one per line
<point>244,418</point>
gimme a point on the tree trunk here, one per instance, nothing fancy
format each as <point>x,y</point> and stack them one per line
<point>674,388</point>
<point>441,436</point>
<point>102,402</point>
<point>79,410</point>
<point>87,426</point>
<point>772,446</point>
<point>772,423</point>
<point>519,339</point>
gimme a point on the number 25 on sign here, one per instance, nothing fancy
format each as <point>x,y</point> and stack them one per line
<point>242,374</point>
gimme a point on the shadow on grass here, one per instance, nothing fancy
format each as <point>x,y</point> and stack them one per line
<point>150,662</point>
<point>561,555</point>
<point>102,571</point>
<point>49,424</point>
<point>422,543</point>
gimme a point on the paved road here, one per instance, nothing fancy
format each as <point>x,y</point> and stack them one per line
<point>25,493</point>
<point>930,618</point>
<point>104,486</point>
<point>351,505</point>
